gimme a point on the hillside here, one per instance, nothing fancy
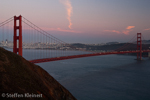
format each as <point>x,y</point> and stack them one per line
<point>18,76</point>
<point>119,46</point>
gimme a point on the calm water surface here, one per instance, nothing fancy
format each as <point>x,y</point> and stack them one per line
<point>109,77</point>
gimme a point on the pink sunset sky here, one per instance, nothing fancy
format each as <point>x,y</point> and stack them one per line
<point>84,21</point>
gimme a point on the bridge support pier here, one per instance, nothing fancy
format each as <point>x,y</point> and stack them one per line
<point>139,46</point>
<point>17,48</point>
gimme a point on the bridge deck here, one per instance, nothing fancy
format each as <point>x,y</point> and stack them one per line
<point>83,55</point>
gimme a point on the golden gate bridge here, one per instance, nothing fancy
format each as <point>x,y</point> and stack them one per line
<point>20,33</point>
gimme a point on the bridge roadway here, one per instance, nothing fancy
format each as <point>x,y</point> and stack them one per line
<point>83,55</point>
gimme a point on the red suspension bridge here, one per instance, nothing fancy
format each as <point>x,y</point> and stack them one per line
<point>19,33</point>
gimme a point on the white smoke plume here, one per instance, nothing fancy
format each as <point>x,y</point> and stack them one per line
<point>68,7</point>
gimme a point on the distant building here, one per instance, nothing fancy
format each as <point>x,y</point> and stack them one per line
<point>6,41</point>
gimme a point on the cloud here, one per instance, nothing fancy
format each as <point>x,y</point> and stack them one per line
<point>68,6</point>
<point>62,30</point>
<point>126,31</point>
<point>130,27</point>
<point>147,29</point>
<point>114,31</point>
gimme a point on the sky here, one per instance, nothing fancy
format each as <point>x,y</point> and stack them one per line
<point>84,21</point>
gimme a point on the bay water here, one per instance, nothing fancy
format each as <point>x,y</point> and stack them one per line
<point>108,77</point>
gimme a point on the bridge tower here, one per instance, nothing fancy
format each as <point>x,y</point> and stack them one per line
<point>139,46</point>
<point>17,41</point>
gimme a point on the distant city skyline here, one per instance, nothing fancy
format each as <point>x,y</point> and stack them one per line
<point>84,21</point>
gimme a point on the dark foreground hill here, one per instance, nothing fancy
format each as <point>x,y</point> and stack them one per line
<point>20,79</point>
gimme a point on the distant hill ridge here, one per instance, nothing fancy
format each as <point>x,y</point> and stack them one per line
<point>113,46</point>
<point>17,75</point>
